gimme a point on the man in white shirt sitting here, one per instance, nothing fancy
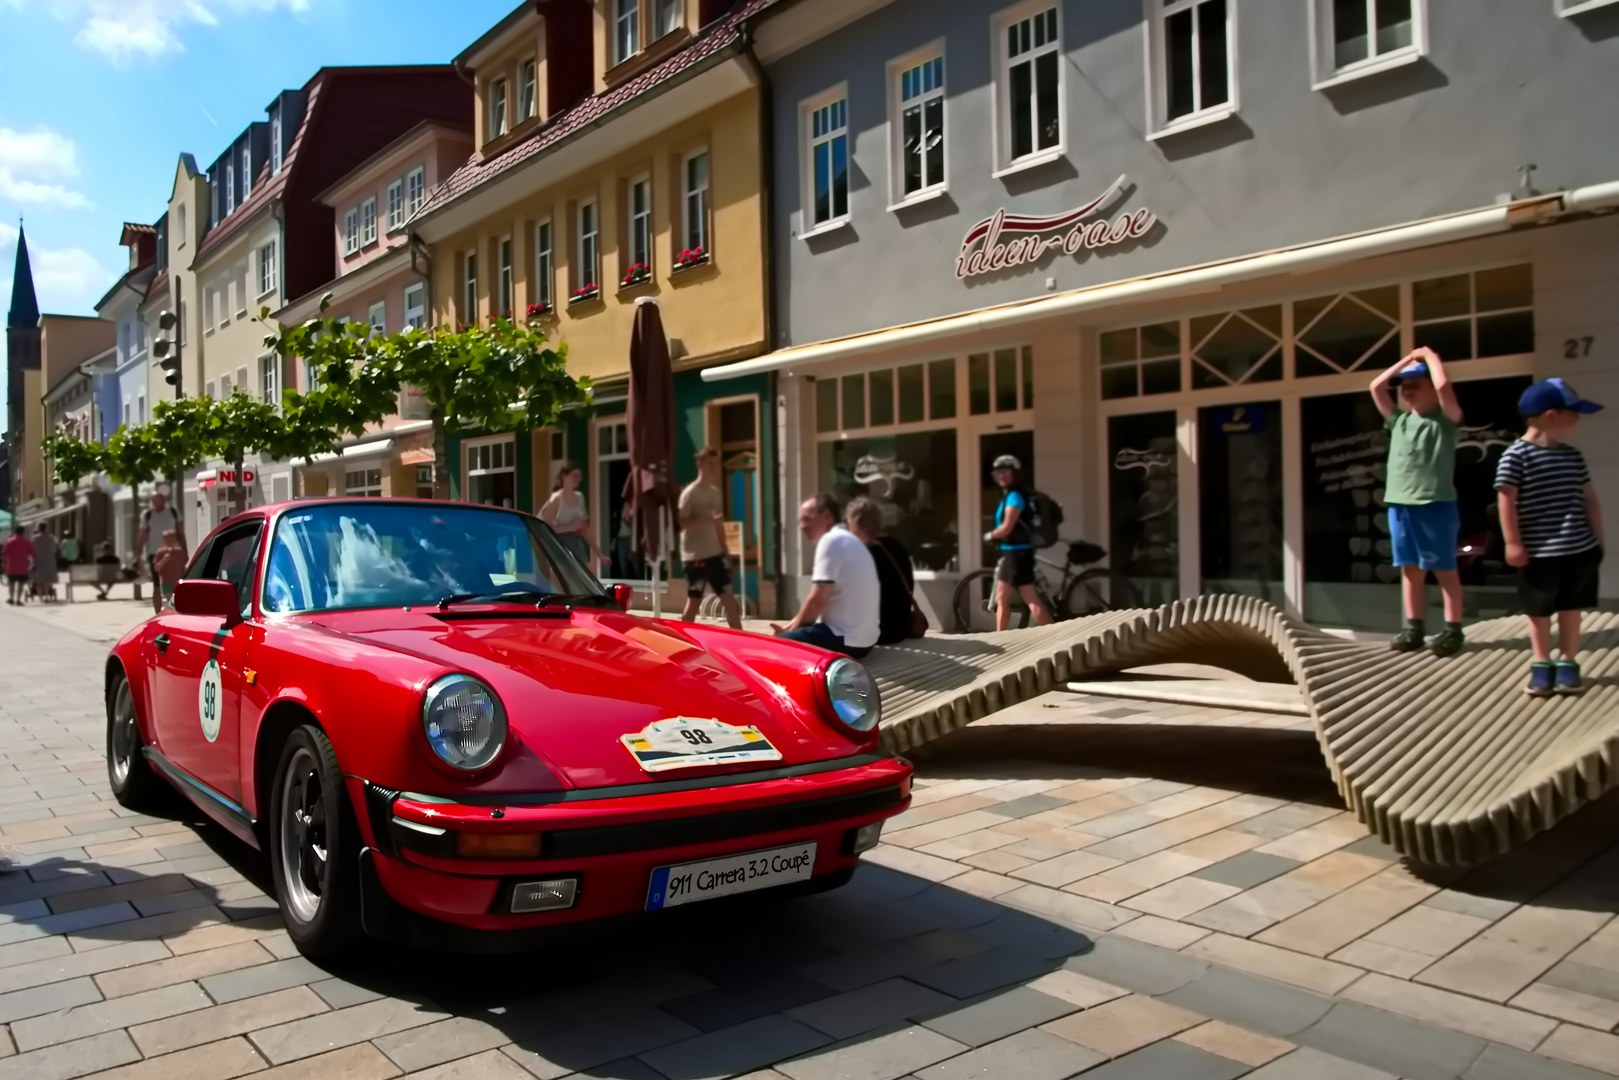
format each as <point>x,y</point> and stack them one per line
<point>841,612</point>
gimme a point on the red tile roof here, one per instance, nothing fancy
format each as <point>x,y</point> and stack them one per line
<point>709,41</point>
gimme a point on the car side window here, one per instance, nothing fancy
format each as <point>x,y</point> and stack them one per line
<point>231,558</point>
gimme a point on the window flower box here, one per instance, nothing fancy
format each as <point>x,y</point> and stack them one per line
<point>584,293</point>
<point>539,311</point>
<point>691,257</point>
<point>635,275</point>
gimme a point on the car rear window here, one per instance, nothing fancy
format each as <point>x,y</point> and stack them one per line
<point>380,555</point>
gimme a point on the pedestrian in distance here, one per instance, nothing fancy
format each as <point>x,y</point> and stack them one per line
<point>105,557</point>
<point>568,514</point>
<point>156,520</point>
<point>1420,491</point>
<point>896,605</point>
<point>45,569</point>
<point>702,540</point>
<point>168,564</point>
<point>1015,571</point>
<point>17,553</point>
<point>841,611</point>
<point>70,548</point>
<point>1552,524</point>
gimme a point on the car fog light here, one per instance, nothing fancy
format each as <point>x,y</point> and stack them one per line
<point>498,845</point>
<point>552,894</point>
<point>865,838</point>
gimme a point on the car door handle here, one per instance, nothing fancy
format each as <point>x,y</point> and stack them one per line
<point>162,643</point>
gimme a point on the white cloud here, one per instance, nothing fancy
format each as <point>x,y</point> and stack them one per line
<point>67,280</point>
<point>127,30</point>
<point>30,162</point>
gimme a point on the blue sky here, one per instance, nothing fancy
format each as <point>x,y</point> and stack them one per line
<point>99,97</point>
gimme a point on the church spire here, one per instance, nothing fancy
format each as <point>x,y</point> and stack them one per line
<point>24,303</point>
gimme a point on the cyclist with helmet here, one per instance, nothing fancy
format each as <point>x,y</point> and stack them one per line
<point>1016,567</point>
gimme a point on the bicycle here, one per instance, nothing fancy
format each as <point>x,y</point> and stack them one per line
<point>1081,591</point>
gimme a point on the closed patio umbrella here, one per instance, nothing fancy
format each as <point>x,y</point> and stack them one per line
<point>649,493</point>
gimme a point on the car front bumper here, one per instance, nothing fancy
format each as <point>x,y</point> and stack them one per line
<point>423,861</point>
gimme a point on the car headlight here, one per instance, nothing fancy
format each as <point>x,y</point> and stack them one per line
<point>853,694</point>
<point>464,722</point>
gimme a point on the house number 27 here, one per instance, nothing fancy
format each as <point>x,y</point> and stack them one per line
<point>1576,347</point>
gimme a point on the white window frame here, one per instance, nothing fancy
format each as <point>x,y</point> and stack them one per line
<point>897,106</point>
<point>268,277</point>
<point>365,489</point>
<point>662,25</point>
<point>269,380</point>
<point>351,231</point>
<point>415,306</point>
<point>808,141</point>
<point>241,294</point>
<point>230,184</point>
<point>1324,68</point>
<point>696,203</point>
<point>415,191</point>
<point>368,222</point>
<point>588,271</point>
<point>396,204</point>
<point>275,141</point>
<point>501,460</point>
<point>1003,61</point>
<point>1158,119</point>
<point>545,264</point>
<point>528,89</point>
<point>469,288</point>
<point>625,29</point>
<point>638,223</point>
<point>225,388</point>
<point>499,109</point>
<point>247,172</point>
<point>377,316</point>
<point>505,279</point>
<point>1565,8</point>
<point>140,406</point>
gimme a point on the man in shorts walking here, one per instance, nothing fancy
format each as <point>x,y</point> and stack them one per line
<point>702,540</point>
<point>158,519</point>
<point>1421,493</point>
<point>18,556</point>
<point>1552,524</point>
<point>1015,571</point>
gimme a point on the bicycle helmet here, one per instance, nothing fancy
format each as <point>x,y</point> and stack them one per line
<point>1005,461</point>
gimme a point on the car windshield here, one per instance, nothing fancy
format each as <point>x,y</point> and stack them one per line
<point>384,554</point>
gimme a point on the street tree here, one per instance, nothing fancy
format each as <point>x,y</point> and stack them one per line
<point>72,458</point>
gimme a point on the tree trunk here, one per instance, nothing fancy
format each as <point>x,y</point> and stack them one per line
<point>441,456</point>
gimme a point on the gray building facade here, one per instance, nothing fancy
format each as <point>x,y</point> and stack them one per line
<point>1158,248</point>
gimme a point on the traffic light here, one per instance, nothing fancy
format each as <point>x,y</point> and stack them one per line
<point>164,348</point>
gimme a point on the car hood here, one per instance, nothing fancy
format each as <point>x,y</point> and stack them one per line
<point>574,686</point>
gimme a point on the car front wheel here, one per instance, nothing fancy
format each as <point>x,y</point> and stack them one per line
<point>314,847</point>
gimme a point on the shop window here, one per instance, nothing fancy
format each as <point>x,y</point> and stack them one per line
<point>942,390</point>
<point>1356,330</point>
<point>1144,543</point>
<point>612,527</point>
<point>918,124</point>
<point>912,404</point>
<point>868,399</point>
<point>1240,496</point>
<point>912,478</point>
<point>363,483</point>
<point>1467,316</point>
<point>1191,60</point>
<point>1000,381</point>
<point>1141,360</point>
<point>492,472</point>
<point>882,398</point>
<point>424,481</point>
<point>1031,84</point>
<point>1239,347</point>
<point>732,429</point>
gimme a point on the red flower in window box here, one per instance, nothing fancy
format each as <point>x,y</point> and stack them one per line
<point>637,273</point>
<point>538,310</point>
<point>584,292</point>
<point>690,257</point>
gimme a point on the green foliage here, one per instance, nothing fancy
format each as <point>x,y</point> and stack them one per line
<point>132,458</point>
<point>73,459</point>
<point>179,434</point>
<point>352,390</point>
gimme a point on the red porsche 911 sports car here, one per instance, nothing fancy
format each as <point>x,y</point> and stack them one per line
<point>443,730</point>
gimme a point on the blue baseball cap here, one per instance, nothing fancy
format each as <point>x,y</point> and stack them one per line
<point>1418,370</point>
<point>1553,394</point>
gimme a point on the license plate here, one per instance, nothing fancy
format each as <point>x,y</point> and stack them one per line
<point>682,742</point>
<point>689,882</point>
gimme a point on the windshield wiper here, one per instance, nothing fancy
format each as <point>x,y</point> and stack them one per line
<point>539,599</point>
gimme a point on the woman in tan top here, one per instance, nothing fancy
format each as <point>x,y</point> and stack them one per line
<point>569,516</point>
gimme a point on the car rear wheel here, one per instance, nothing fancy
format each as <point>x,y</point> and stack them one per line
<point>314,846</point>
<point>133,783</point>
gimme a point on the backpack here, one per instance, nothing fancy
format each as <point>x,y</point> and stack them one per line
<point>1044,518</point>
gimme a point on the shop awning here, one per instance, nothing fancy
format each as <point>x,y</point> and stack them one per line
<point>370,449</point>
<point>1293,260</point>
<point>49,515</point>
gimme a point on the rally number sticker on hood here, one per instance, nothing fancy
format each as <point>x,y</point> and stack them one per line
<point>683,742</point>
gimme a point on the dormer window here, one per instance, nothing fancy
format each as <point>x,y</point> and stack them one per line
<point>247,173</point>
<point>497,108</point>
<point>415,191</point>
<point>626,29</point>
<point>230,187</point>
<point>275,140</point>
<point>528,87</point>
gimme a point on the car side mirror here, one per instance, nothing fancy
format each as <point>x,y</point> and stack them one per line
<point>205,597</point>
<point>624,593</point>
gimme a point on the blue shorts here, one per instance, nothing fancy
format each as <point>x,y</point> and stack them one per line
<point>1425,536</point>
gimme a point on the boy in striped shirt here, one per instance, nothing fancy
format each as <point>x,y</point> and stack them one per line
<point>1552,524</point>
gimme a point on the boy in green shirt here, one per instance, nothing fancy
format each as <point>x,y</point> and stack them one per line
<point>1420,492</point>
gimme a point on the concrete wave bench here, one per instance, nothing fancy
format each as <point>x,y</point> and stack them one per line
<point>1446,760</point>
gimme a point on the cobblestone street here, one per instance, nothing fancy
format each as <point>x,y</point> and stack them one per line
<point>1082,886</point>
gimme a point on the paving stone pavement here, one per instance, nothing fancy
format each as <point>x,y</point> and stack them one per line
<point>135,946</point>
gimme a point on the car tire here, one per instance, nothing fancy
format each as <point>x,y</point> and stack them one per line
<point>134,784</point>
<point>314,847</point>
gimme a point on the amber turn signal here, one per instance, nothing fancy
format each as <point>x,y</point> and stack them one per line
<point>469,845</point>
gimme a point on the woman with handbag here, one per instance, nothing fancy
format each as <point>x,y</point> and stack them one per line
<point>900,616</point>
